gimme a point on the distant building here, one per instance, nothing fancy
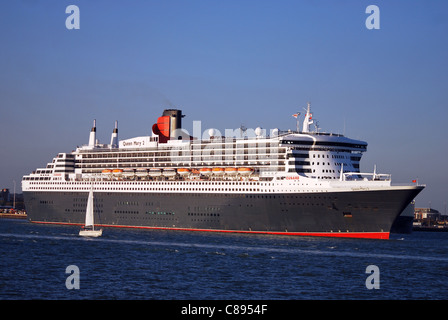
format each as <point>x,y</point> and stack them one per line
<point>426,213</point>
<point>4,195</point>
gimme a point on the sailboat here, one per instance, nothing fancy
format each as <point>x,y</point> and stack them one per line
<point>88,230</point>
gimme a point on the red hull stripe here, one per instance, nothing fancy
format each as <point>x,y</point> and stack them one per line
<point>360,235</point>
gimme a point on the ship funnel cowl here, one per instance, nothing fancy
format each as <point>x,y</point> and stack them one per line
<point>114,137</point>
<point>167,124</point>
<point>92,137</point>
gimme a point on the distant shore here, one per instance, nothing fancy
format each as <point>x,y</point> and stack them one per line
<point>433,229</point>
<point>13,215</point>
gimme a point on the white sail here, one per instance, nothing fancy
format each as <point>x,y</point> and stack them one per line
<point>89,210</point>
<point>89,230</point>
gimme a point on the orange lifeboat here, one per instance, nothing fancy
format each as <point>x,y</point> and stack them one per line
<point>106,171</point>
<point>117,172</point>
<point>218,171</point>
<point>231,171</point>
<point>245,171</point>
<point>205,171</point>
<point>183,171</point>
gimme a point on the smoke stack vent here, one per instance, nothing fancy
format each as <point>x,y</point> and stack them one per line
<point>92,137</point>
<point>114,137</point>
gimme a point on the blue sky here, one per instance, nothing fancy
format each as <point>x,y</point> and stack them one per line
<point>228,63</point>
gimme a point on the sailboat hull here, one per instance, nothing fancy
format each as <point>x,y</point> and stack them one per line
<point>91,233</point>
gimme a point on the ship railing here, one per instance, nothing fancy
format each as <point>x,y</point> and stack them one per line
<point>360,176</point>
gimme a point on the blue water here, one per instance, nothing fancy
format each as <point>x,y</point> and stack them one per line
<point>142,264</point>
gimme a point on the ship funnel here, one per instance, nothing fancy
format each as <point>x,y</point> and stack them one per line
<point>114,137</point>
<point>168,124</point>
<point>175,120</point>
<point>92,138</point>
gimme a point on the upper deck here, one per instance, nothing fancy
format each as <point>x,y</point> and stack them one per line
<point>306,153</point>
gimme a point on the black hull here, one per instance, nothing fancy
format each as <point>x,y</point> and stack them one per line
<point>402,225</point>
<point>366,214</point>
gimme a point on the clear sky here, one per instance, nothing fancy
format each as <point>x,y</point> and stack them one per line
<point>227,63</point>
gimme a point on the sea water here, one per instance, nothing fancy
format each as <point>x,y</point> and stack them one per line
<point>52,262</point>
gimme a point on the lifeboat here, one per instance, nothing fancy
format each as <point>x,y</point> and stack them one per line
<point>169,172</point>
<point>106,171</point>
<point>231,171</point>
<point>245,171</point>
<point>128,172</point>
<point>218,171</point>
<point>142,172</point>
<point>183,171</point>
<point>117,172</point>
<point>155,172</point>
<point>205,171</point>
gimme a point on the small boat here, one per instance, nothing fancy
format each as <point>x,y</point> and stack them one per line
<point>142,172</point>
<point>245,171</point>
<point>205,171</point>
<point>231,171</point>
<point>117,172</point>
<point>128,172</point>
<point>155,172</point>
<point>183,171</point>
<point>88,230</point>
<point>218,171</point>
<point>169,172</point>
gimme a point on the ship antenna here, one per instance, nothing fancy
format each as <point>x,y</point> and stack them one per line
<point>297,118</point>
<point>243,130</point>
<point>114,137</point>
<point>92,137</point>
<point>308,119</point>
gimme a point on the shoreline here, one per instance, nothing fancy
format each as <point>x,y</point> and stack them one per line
<point>13,215</point>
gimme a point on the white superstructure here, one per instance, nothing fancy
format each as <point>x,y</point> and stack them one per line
<point>314,157</point>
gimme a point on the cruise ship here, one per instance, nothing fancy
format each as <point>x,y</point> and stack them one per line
<point>298,182</point>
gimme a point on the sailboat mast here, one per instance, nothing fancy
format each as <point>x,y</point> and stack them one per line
<point>89,210</point>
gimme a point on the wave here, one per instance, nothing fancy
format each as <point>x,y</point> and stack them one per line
<point>218,248</point>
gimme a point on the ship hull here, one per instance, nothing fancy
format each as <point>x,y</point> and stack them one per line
<point>360,214</point>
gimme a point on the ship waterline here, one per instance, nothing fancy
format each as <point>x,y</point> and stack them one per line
<point>339,214</point>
